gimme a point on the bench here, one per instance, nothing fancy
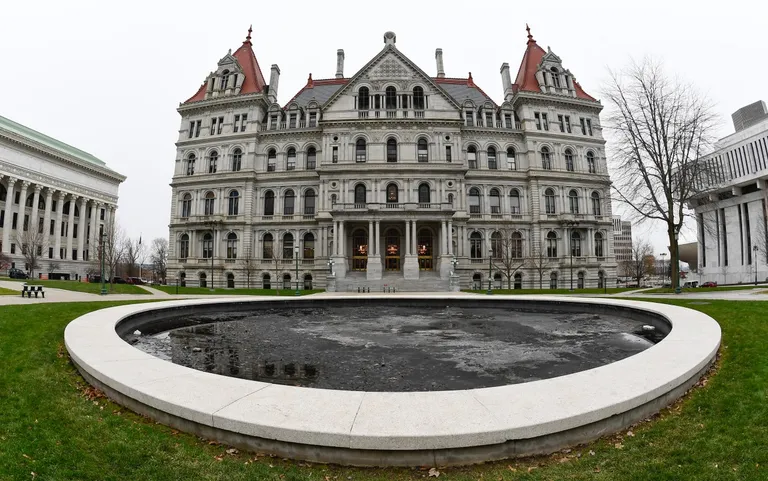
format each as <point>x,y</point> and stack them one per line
<point>28,290</point>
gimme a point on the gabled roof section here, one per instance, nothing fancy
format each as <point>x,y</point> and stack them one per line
<point>462,89</point>
<point>390,48</point>
<point>318,90</point>
<point>254,79</point>
<point>532,58</point>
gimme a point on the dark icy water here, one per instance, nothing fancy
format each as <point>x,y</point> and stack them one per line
<point>397,348</point>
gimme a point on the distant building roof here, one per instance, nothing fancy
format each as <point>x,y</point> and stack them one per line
<point>318,90</point>
<point>462,89</point>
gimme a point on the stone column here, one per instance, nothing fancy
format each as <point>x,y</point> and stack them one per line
<point>411,264</point>
<point>22,207</point>
<point>70,227</point>
<point>93,239</point>
<point>445,260</point>
<point>340,261</point>
<point>33,217</point>
<point>378,239</point>
<point>57,228</point>
<point>450,238</point>
<point>373,269</point>
<point>81,229</point>
<point>47,216</point>
<point>335,238</point>
<point>407,238</point>
<point>8,222</point>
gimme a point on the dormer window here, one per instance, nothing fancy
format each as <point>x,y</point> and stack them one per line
<point>555,77</point>
<point>488,119</point>
<point>224,79</point>
<point>313,119</point>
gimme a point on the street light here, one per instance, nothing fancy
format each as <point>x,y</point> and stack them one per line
<point>663,266</point>
<point>678,290</point>
<point>490,259</point>
<point>296,255</point>
<point>103,285</point>
<point>330,266</point>
<point>454,263</point>
<point>754,260</point>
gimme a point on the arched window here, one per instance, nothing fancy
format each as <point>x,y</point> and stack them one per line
<point>30,200</point>
<point>289,202</point>
<point>203,279</point>
<point>591,162</point>
<point>286,281</point>
<point>496,245</point>
<point>213,162</point>
<point>288,246</point>
<point>309,202</point>
<point>516,245</point>
<point>569,160</point>
<point>472,157</point>
<point>41,205</point>
<point>231,245</point>
<point>363,99</point>
<point>209,203</point>
<point>596,210</point>
<point>551,244</point>
<point>492,158</point>
<point>555,77</point>
<point>495,199</point>
<point>573,201</point>
<point>360,150</point>
<point>290,159</point>
<point>553,280</point>
<point>207,246</point>
<point>234,203</point>
<point>549,201</point>
<point>518,281</point>
<point>186,205</point>
<point>266,282</point>
<point>598,244</point>
<point>477,282</point>
<point>392,194</point>
<point>546,158</point>
<point>184,246</point>
<point>390,98</point>
<point>474,200</point>
<point>191,164</point>
<point>237,160</point>
<point>224,79</point>
<point>600,279</point>
<point>476,245</point>
<point>580,280</point>
<point>422,150</point>
<point>307,282</point>
<point>511,159</point>
<point>418,98</point>
<point>497,281</point>
<point>309,246</point>
<point>311,158</point>
<point>424,193</point>
<point>271,160</point>
<point>391,150</point>
<point>230,281</point>
<point>268,246</point>
<point>360,194</point>
<point>575,244</point>
<point>450,199</point>
<point>514,201</point>
<point>269,203</point>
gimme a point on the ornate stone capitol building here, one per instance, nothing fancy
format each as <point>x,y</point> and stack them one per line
<point>391,176</point>
<point>63,193</point>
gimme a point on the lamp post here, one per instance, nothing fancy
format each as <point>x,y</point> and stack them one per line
<point>678,290</point>
<point>755,249</point>
<point>103,285</point>
<point>663,266</point>
<point>454,263</point>
<point>490,260</point>
<point>330,266</point>
<point>296,256</point>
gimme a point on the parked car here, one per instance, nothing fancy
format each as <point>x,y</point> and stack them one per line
<point>690,284</point>
<point>709,284</point>
<point>14,273</point>
<point>94,278</point>
<point>135,281</point>
<point>118,280</point>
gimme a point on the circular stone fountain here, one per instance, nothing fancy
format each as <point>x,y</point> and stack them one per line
<point>398,380</point>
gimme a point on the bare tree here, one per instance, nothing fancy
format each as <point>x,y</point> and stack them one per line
<point>33,242</point>
<point>659,127</point>
<point>249,264</point>
<point>53,266</point>
<point>113,248</point>
<point>508,253</point>
<point>134,254</point>
<point>275,254</point>
<point>5,261</point>
<point>539,262</point>
<point>636,266</point>
<point>159,257</point>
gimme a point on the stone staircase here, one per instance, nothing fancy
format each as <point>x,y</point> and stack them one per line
<point>427,282</point>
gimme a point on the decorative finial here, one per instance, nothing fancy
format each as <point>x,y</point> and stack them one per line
<point>528,29</point>
<point>470,81</point>
<point>309,80</point>
<point>250,30</point>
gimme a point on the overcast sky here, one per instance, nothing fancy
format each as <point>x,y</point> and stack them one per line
<point>108,79</point>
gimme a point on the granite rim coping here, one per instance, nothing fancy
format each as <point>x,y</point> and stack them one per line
<point>396,422</point>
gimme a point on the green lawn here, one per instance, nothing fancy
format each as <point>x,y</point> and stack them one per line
<point>610,290</point>
<point>52,425</point>
<point>233,292</point>
<point>89,287</point>
<point>8,292</point>
<point>667,290</point>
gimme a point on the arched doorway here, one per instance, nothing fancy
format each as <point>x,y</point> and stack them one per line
<point>307,282</point>
<point>518,281</point>
<point>230,281</point>
<point>392,253</point>
<point>425,248</point>
<point>497,282</point>
<point>580,280</point>
<point>183,279</point>
<point>286,281</point>
<point>359,250</point>
<point>266,282</point>
<point>203,280</point>
<point>477,282</point>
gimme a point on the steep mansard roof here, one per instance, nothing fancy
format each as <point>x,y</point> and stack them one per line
<point>254,79</point>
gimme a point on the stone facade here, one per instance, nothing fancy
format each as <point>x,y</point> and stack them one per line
<point>65,193</point>
<point>622,244</point>
<point>390,173</point>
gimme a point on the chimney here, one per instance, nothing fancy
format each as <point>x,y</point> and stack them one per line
<point>506,80</point>
<point>274,78</point>
<point>439,59</point>
<point>340,63</point>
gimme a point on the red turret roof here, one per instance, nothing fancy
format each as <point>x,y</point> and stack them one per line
<point>254,79</point>
<point>526,76</point>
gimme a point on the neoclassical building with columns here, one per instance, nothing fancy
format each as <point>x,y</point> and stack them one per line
<point>66,194</point>
<point>391,176</point>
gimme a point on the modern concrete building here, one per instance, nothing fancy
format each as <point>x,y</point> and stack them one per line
<point>66,194</point>
<point>391,174</point>
<point>622,244</point>
<point>731,210</point>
